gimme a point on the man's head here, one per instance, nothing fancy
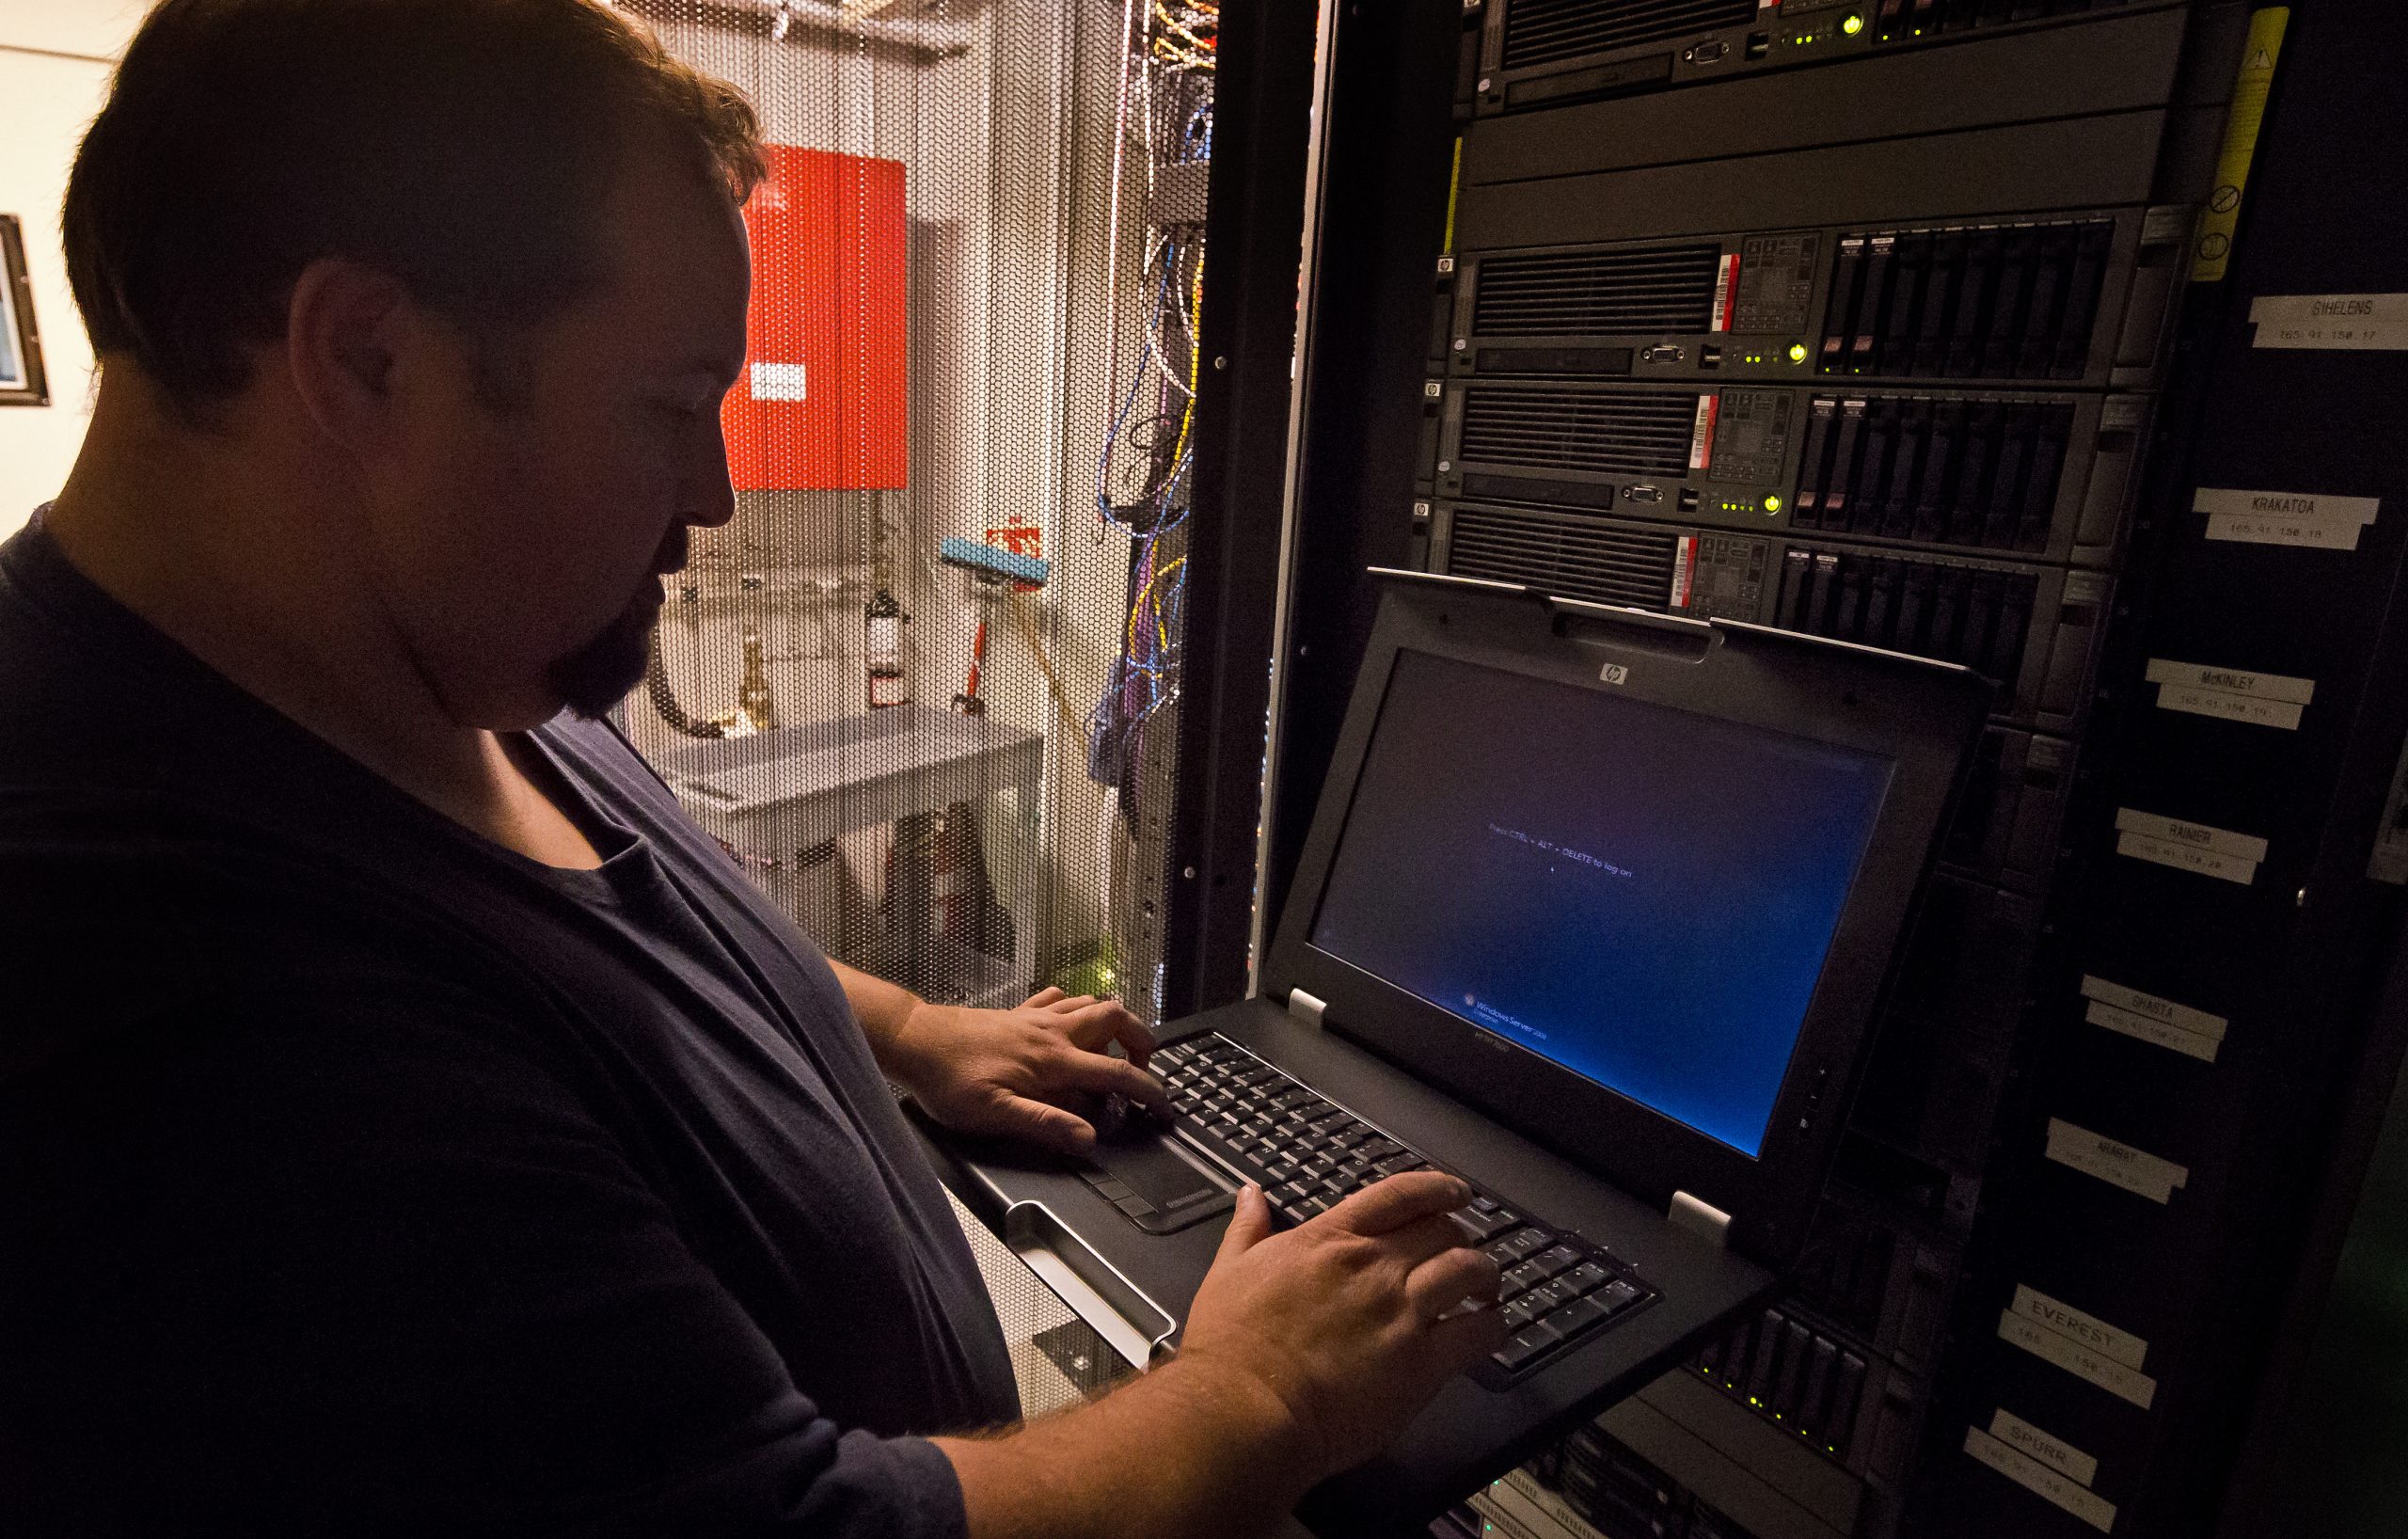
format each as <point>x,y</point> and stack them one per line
<point>477,263</point>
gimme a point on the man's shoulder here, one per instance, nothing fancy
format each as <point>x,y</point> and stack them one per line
<point>128,905</point>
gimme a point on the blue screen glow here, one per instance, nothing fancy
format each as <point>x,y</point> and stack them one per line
<point>1642,895</point>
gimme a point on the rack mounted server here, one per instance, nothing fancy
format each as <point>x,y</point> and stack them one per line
<point>1529,53</point>
<point>2034,628</point>
<point>2075,298</point>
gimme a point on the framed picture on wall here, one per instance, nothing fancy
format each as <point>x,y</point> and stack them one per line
<point>21,383</point>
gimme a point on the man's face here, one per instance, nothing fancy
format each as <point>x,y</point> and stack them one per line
<point>518,544</point>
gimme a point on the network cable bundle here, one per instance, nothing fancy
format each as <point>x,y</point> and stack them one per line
<point>924,686</point>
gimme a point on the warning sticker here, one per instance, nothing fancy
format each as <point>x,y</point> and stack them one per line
<point>2211,245</point>
<point>1702,430</point>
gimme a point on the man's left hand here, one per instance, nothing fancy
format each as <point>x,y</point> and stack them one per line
<point>1018,1073</point>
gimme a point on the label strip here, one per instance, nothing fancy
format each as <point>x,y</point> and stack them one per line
<point>1701,431</point>
<point>2055,1452</point>
<point>2116,1163</point>
<point>2143,1028</point>
<point>2206,863</point>
<point>2123,1383</point>
<point>1726,287</point>
<point>2040,1480</point>
<point>1684,571</point>
<point>2311,519</point>
<point>2343,322</point>
<point>2151,1005</point>
<point>2087,1329</point>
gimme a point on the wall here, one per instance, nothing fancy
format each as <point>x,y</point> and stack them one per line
<point>54,71</point>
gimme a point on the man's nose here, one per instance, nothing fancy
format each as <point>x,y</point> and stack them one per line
<point>714,495</point>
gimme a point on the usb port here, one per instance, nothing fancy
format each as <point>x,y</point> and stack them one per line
<point>1688,499</point>
<point>1759,44</point>
<point>1661,353</point>
<point>1643,493</point>
<point>1709,357</point>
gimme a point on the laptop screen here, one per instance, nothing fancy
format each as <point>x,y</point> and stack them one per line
<point>1642,895</point>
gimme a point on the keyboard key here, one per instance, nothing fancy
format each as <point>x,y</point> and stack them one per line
<point>1281,1171</point>
<point>1577,1316</point>
<point>1517,1315</point>
<point>1518,1280</point>
<point>1587,1277</point>
<point>1486,1224</point>
<point>1483,1204</point>
<point>1527,1343</point>
<point>1616,1297</point>
<point>1285,1193</point>
<point>1560,1258</point>
<point>1294,1214</point>
<point>1397,1164</point>
<point>1314,1207</point>
<point>1523,1244</point>
<point>1549,1295</point>
<point>1379,1148</point>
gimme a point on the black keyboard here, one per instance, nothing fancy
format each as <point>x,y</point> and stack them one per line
<point>1308,1154</point>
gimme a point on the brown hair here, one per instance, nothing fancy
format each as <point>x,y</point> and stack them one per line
<point>462,146</point>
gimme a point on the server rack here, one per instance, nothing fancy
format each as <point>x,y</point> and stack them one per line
<point>1899,331</point>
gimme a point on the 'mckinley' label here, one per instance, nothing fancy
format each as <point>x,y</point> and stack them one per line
<point>2081,1361</point>
<point>2116,1163</point>
<point>2231,694</point>
<point>2040,1479</point>
<point>2056,1452</point>
<point>2088,1330</point>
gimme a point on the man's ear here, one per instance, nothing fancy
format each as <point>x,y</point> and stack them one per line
<point>348,329</point>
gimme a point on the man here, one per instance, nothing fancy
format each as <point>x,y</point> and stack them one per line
<point>408,1123</point>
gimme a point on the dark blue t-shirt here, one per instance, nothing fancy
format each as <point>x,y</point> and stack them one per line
<point>361,1176</point>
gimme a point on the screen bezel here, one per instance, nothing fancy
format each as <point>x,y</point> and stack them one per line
<point>1922,716</point>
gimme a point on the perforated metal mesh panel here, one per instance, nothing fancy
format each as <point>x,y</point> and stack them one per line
<point>977,269</point>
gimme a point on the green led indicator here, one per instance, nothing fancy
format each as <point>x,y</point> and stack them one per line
<point>1796,352</point>
<point>1853,25</point>
<point>1772,502</point>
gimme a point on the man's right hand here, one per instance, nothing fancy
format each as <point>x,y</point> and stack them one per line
<point>1338,1322</point>
<point>1305,1352</point>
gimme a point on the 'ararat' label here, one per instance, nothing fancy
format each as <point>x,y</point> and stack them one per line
<point>2116,1163</point>
<point>2040,1479</point>
<point>2056,1452</point>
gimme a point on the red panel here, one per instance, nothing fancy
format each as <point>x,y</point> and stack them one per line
<point>823,398</point>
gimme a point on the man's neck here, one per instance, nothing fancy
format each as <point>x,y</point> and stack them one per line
<point>240,551</point>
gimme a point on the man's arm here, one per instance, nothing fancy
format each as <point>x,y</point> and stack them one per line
<point>1016,1073</point>
<point>1305,1354</point>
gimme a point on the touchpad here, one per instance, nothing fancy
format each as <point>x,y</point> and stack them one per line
<point>1146,1174</point>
